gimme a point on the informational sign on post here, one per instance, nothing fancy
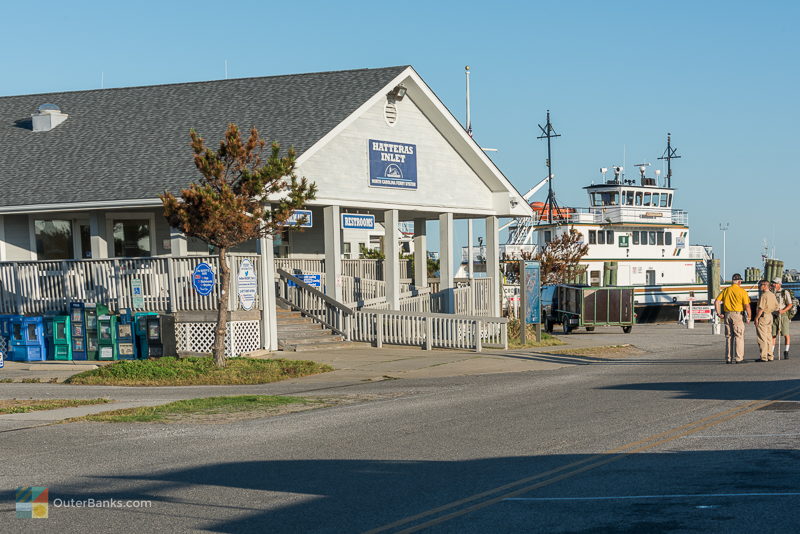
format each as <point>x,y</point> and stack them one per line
<point>530,297</point>
<point>137,292</point>
<point>203,279</point>
<point>247,284</point>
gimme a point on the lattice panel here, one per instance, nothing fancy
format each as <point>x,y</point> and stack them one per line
<point>3,345</point>
<point>242,336</point>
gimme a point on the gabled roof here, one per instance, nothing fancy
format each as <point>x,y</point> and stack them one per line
<point>133,143</point>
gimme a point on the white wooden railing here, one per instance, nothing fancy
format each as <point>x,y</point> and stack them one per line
<point>429,330</point>
<point>36,287</point>
<point>293,292</point>
<point>357,291</point>
<point>358,268</point>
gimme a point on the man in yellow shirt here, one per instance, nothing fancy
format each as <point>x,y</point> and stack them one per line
<point>735,304</point>
<point>767,305</point>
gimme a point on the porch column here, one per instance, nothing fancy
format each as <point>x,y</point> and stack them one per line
<point>178,243</point>
<point>446,282</point>
<point>3,253</point>
<point>420,254</point>
<point>97,229</point>
<point>333,252</point>
<point>391,263</point>
<point>269,325</point>
<point>493,263</point>
<point>470,263</point>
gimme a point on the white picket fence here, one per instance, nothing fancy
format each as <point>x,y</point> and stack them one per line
<point>355,268</point>
<point>429,330</point>
<point>36,287</point>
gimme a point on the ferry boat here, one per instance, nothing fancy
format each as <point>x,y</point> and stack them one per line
<point>631,226</point>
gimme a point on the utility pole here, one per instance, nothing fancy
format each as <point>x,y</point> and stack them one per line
<point>724,227</point>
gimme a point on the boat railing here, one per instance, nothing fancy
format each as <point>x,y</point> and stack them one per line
<point>616,214</point>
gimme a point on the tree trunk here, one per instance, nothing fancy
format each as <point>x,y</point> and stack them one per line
<point>222,309</point>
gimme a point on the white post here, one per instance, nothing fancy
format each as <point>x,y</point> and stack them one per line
<point>420,254</point>
<point>690,321</point>
<point>269,322</point>
<point>333,252</point>
<point>97,228</point>
<point>2,238</point>
<point>178,243</point>
<point>470,265</point>
<point>446,260</point>
<point>493,264</point>
<point>391,264</point>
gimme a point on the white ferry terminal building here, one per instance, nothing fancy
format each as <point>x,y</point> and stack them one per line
<point>81,173</point>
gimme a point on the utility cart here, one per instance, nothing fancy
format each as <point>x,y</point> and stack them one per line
<point>588,307</point>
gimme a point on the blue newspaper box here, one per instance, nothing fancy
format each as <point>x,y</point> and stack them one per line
<point>126,349</point>
<point>27,339</point>
<point>77,318</point>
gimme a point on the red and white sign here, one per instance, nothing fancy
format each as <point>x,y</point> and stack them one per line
<point>699,313</point>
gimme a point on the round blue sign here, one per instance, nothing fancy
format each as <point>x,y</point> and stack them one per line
<point>203,279</point>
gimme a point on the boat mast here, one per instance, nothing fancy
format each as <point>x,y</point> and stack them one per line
<point>548,133</point>
<point>669,154</point>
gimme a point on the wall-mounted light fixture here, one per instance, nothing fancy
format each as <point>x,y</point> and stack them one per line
<point>398,92</point>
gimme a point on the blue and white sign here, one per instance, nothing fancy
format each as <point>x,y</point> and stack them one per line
<point>392,164</point>
<point>357,221</point>
<point>314,280</point>
<point>295,217</point>
<point>532,280</point>
<point>203,279</point>
<point>137,291</point>
<point>246,284</point>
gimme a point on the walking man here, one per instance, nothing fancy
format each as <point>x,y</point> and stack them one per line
<point>781,323</point>
<point>767,304</point>
<point>733,303</point>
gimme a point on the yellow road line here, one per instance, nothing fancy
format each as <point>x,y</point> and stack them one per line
<point>594,461</point>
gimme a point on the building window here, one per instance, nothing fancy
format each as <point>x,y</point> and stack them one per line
<point>54,239</point>
<point>131,238</point>
<point>610,237</point>
<point>667,238</point>
<point>592,237</point>
<point>635,238</point>
<point>346,251</point>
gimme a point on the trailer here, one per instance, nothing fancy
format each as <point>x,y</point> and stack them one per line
<point>588,307</point>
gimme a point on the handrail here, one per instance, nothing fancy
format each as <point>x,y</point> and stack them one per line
<point>316,292</point>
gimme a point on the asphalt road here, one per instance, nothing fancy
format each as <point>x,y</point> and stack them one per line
<point>672,441</point>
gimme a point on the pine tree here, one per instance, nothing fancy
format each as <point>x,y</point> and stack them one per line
<point>240,197</point>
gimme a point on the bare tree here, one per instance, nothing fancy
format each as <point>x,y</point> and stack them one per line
<point>560,258</point>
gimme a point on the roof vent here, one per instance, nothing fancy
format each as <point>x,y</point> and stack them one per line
<point>47,117</point>
<point>390,111</point>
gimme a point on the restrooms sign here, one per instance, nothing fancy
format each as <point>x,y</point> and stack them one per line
<point>392,165</point>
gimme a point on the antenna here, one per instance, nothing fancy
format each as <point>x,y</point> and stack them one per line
<point>548,133</point>
<point>669,154</point>
<point>469,120</point>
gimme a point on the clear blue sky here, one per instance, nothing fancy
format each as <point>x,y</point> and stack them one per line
<point>722,76</point>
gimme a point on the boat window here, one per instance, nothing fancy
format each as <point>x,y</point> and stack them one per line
<point>659,238</point>
<point>595,199</point>
<point>592,237</point>
<point>629,198</point>
<point>667,238</point>
<point>609,199</point>
<point>664,200</point>
<point>647,199</point>
<point>548,236</point>
<point>654,201</point>
<point>610,237</point>
<point>652,238</point>
<point>635,238</point>
<point>669,202</point>
<point>601,237</point>
<point>638,199</point>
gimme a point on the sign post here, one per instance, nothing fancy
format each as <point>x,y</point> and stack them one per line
<point>530,308</point>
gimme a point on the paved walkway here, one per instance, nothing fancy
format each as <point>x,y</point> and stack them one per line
<point>357,364</point>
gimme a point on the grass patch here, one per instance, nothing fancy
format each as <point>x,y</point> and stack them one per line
<point>196,371</point>
<point>530,334</point>
<point>5,380</point>
<point>217,409</point>
<point>25,405</point>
